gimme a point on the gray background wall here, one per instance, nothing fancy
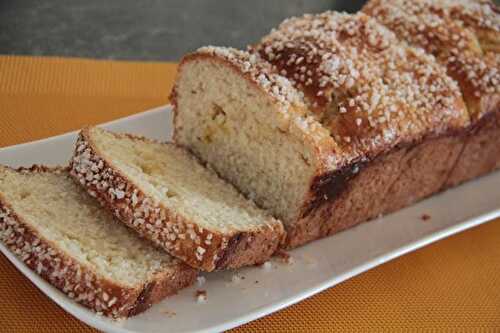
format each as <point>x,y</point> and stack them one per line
<point>143,29</point>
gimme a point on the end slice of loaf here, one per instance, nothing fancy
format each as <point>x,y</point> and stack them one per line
<point>161,191</point>
<point>63,234</point>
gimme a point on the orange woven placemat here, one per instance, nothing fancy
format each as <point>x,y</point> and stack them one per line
<point>451,285</point>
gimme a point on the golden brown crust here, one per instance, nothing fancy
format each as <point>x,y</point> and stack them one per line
<point>480,16</point>
<point>464,36</point>
<point>348,206</point>
<point>198,247</point>
<point>481,152</point>
<point>378,187</point>
<point>370,90</point>
<point>448,30</point>
<point>251,247</point>
<point>164,284</point>
<point>424,170</point>
<point>80,283</point>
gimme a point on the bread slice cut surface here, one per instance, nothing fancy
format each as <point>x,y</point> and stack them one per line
<point>165,194</point>
<point>64,235</point>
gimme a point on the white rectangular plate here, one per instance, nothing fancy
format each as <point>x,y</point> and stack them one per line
<point>317,266</point>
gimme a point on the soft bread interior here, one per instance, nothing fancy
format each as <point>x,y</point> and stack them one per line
<point>174,178</point>
<point>63,214</point>
<point>235,127</point>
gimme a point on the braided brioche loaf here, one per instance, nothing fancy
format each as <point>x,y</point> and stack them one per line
<point>329,121</point>
<point>464,36</point>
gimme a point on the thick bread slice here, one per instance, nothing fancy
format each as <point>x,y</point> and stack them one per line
<point>167,196</point>
<point>329,121</point>
<point>60,232</point>
<point>463,35</point>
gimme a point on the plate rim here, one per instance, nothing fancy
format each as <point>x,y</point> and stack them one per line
<point>131,117</point>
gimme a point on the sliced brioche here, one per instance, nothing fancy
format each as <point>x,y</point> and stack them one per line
<point>329,121</point>
<point>166,195</point>
<point>63,234</point>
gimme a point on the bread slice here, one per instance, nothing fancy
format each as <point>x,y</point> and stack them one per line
<point>166,195</point>
<point>464,36</point>
<point>63,234</point>
<point>329,121</point>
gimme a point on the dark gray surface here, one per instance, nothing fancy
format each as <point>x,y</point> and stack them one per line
<point>143,29</point>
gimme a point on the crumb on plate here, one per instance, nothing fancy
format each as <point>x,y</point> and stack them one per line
<point>284,257</point>
<point>267,265</point>
<point>201,296</point>
<point>168,312</point>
